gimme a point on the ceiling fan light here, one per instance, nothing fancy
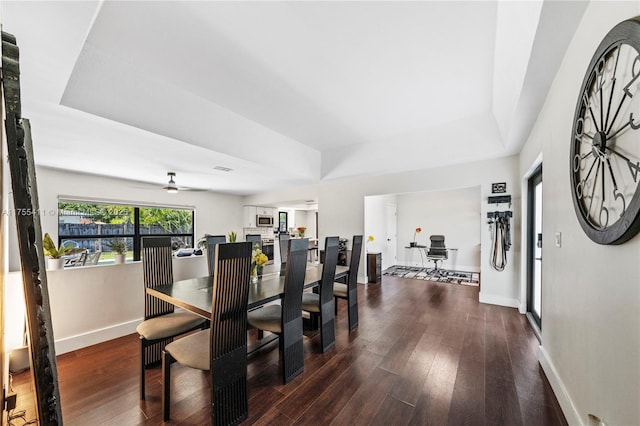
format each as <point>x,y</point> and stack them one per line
<point>171,187</point>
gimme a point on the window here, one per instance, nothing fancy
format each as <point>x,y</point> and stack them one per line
<point>97,227</point>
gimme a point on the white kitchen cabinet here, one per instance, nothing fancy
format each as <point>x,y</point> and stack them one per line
<point>267,211</point>
<point>250,213</point>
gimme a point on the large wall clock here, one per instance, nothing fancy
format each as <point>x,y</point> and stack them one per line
<point>605,140</point>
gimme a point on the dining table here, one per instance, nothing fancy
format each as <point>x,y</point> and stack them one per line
<point>196,294</point>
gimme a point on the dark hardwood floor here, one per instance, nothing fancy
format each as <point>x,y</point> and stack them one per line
<point>424,353</point>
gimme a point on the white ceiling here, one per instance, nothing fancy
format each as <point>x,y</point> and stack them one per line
<point>284,93</point>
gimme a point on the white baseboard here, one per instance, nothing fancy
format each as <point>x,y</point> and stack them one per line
<point>566,404</point>
<point>492,299</point>
<point>93,337</point>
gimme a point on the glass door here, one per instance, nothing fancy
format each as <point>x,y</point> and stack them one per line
<point>534,247</point>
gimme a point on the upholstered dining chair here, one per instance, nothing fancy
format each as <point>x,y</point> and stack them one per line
<point>221,350</point>
<point>322,303</point>
<point>161,324</point>
<point>283,239</point>
<point>285,319</point>
<point>349,291</point>
<point>212,240</point>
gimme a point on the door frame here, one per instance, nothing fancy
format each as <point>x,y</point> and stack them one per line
<point>533,180</point>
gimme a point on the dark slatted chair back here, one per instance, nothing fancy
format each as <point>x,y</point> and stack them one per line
<point>212,241</point>
<point>157,270</point>
<point>294,279</point>
<point>231,277</point>
<point>254,239</point>
<point>292,308</point>
<point>329,270</point>
<point>284,251</point>
<point>354,263</point>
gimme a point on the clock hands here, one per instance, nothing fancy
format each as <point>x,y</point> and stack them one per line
<point>633,168</point>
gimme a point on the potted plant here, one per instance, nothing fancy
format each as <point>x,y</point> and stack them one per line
<point>120,247</point>
<point>258,260</point>
<point>54,254</point>
<point>233,236</point>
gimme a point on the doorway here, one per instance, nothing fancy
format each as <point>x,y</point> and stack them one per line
<point>534,247</point>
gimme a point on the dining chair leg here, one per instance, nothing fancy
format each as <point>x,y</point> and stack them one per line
<point>353,308</point>
<point>142,370</point>
<point>229,391</point>
<point>292,349</point>
<point>327,326</point>
<point>167,360</point>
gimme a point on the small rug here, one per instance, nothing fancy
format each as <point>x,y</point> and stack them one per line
<point>444,275</point>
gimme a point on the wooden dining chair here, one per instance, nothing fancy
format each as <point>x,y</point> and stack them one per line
<point>349,291</point>
<point>222,349</point>
<point>212,240</point>
<point>161,324</point>
<point>286,319</point>
<point>322,303</point>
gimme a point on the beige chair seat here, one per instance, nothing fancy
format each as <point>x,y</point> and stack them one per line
<point>268,318</point>
<point>311,302</point>
<point>340,290</point>
<point>192,350</point>
<point>168,325</point>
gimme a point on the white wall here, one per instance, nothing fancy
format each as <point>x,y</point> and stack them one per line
<point>341,211</point>
<point>456,214</point>
<point>375,224</point>
<point>93,304</point>
<point>214,213</point>
<point>97,303</point>
<point>590,293</point>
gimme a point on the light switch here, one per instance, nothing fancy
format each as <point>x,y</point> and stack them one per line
<point>558,239</point>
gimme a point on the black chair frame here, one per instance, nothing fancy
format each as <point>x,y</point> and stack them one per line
<point>352,283</point>
<point>228,337</point>
<point>155,273</point>
<point>212,241</point>
<point>327,301</point>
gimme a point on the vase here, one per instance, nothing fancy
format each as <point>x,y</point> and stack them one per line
<point>55,264</point>
<point>254,274</point>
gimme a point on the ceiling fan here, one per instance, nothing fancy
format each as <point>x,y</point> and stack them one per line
<point>171,187</point>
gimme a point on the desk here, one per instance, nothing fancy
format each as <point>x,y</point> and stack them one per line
<point>425,249</point>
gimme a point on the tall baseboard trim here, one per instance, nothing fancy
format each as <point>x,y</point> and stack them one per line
<point>93,337</point>
<point>566,404</point>
<point>492,299</point>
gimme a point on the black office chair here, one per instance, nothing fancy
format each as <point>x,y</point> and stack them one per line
<point>349,291</point>
<point>437,252</point>
<point>286,319</point>
<point>222,349</point>
<point>212,241</point>
<point>322,303</point>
